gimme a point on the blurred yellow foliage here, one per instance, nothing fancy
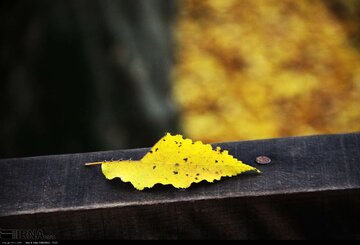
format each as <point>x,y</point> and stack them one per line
<point>264,68</point>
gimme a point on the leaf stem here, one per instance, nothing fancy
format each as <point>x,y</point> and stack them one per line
<point>94,163</point>
<point>98,163</point>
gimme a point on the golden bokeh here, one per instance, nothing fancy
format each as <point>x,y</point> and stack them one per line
<point>263,69</point>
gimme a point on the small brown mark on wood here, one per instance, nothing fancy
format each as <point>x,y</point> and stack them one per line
<point>263,160</point>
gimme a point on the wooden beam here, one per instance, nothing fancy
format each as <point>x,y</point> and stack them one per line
<point>309,190</point>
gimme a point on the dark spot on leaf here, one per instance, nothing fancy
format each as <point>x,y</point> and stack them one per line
<point>164,139</point>
<point>150,151</point>
<point>192,143</point>
<point>197,174</point>
<point>176,142</point>
<point>185,159</point>
<point>196,178</point>
<point>216,161</point>
<point>175,172</point>
<point>187,174</point>
<point>177,165</point>
<point>203,169</point>
<point>179,145</point>
<point>216,172</point>
<point>154,167</point>
<point>156,149</point>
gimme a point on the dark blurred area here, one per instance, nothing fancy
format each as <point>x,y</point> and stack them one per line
<point>81,76</point>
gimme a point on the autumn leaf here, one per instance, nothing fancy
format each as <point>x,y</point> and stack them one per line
<point>178,162</point>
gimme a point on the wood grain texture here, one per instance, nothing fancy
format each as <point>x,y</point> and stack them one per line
<point>312,183</point>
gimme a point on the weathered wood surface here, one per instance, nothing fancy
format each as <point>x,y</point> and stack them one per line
<point>310,190</point>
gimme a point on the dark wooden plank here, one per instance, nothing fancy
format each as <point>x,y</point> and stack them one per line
<point>320,171</point>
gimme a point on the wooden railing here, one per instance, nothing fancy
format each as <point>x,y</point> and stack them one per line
<point>309,190</point>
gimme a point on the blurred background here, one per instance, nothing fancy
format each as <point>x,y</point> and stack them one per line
<point>79,76</point>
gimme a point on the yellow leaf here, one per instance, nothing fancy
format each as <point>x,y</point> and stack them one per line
<point>178,162</point>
